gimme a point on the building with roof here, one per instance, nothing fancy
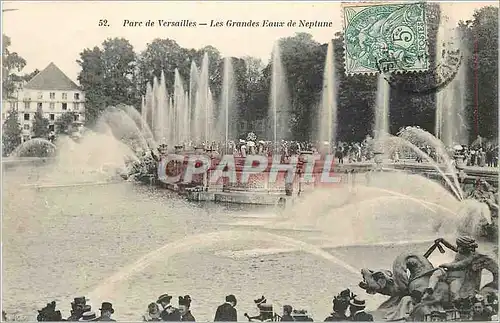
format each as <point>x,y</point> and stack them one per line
<point>52,91</point>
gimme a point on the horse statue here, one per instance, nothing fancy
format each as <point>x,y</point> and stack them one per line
<point>408,284</point>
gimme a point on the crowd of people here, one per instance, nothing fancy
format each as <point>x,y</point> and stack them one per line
<point>478,153</point>
<point>346,306</point>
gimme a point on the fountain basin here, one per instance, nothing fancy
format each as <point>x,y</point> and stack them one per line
<point>10,162</point>
<point>268,186</point>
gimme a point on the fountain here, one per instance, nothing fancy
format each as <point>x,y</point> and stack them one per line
<point>193,112</point>
<point>156,121</point>
<point>419,136</point>
<point>178,109</point>
<point>161,96</point>
<point>279,100</point>
<point>451,117</point>
<point>149,111</point>
<point>35,147</point>
<point>408,208</point>
<point>381,129</point>
<point>227,115</point>
<point>328,113</point>
<point>187,119</point>
<point>203,97</point>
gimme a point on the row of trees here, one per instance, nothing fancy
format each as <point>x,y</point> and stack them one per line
<point>114,73</point>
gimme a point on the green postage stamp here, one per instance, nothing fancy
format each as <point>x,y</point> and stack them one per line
<point>385,37</point>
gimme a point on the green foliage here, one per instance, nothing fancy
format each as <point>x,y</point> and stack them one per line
<point>65,122</point>
<point>11,136</point>
<point>40,125</point>
<point>29,76</point>
<point>113,74</point>
<point>11,63</point>
<point>107,76</point>
<point>481,40</point>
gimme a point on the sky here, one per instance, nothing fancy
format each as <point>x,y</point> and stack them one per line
<point>44,32</point>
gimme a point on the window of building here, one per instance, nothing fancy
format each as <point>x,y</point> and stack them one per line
<point>65,96</point>
<point>65,106</point>
<point>76,106</point>
<point>52,106</point>
<point>51,127</point>
<point>26,127</point>
<point>52,116</point>
<point>77,96</point>
<point>26,116</point>
<point>77,116</point>
<point>39,105</point>
<point>26,105</point>
<point>40,95</point>
<point>52,95</point>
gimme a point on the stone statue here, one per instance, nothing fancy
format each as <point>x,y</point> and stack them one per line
<point>416,288</point>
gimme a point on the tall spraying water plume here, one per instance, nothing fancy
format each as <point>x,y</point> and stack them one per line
<point>149,106</point>
<point>195,114</point>
<point>451,122</point>
<point>186,119</point>
<point>143,111</point>
<point>161,109</point>
<point>278,101</point>
<point>381,129</point>
<point>202,101</point>
<point>154,108</point>
<point>227,115</point>
<point>328,111</point>
<point>179,109</point>
<point>210,117</point>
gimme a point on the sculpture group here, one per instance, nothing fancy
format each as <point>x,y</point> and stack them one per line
<point>417,289</point>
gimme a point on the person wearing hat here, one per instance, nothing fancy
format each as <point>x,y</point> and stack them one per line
<point>185,312</point>
<point>78,307</point>
<point>153,314</point>
<point>106,312</point>
<point>287,314</point>
<point>340,305</point>
<point>357,309</point>
<point>169,312</point>
<point>88,317</point>
<point>454,273</point>
<point>227,311</point>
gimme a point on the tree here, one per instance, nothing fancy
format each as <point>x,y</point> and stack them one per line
<point>11,63</point>
<point>11,137</point>
<point>303,62</point>
<point>107,76</point>
<point>91,79</point>
<point>40,125</point>
<point>118,59</point>
<point>65,122</point>
<point>481,40</point>
<point>29,76</point>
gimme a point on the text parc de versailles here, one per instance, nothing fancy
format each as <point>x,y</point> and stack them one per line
<point>236,24</point>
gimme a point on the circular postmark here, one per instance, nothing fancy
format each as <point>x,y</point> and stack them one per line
<point>448,61</point>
